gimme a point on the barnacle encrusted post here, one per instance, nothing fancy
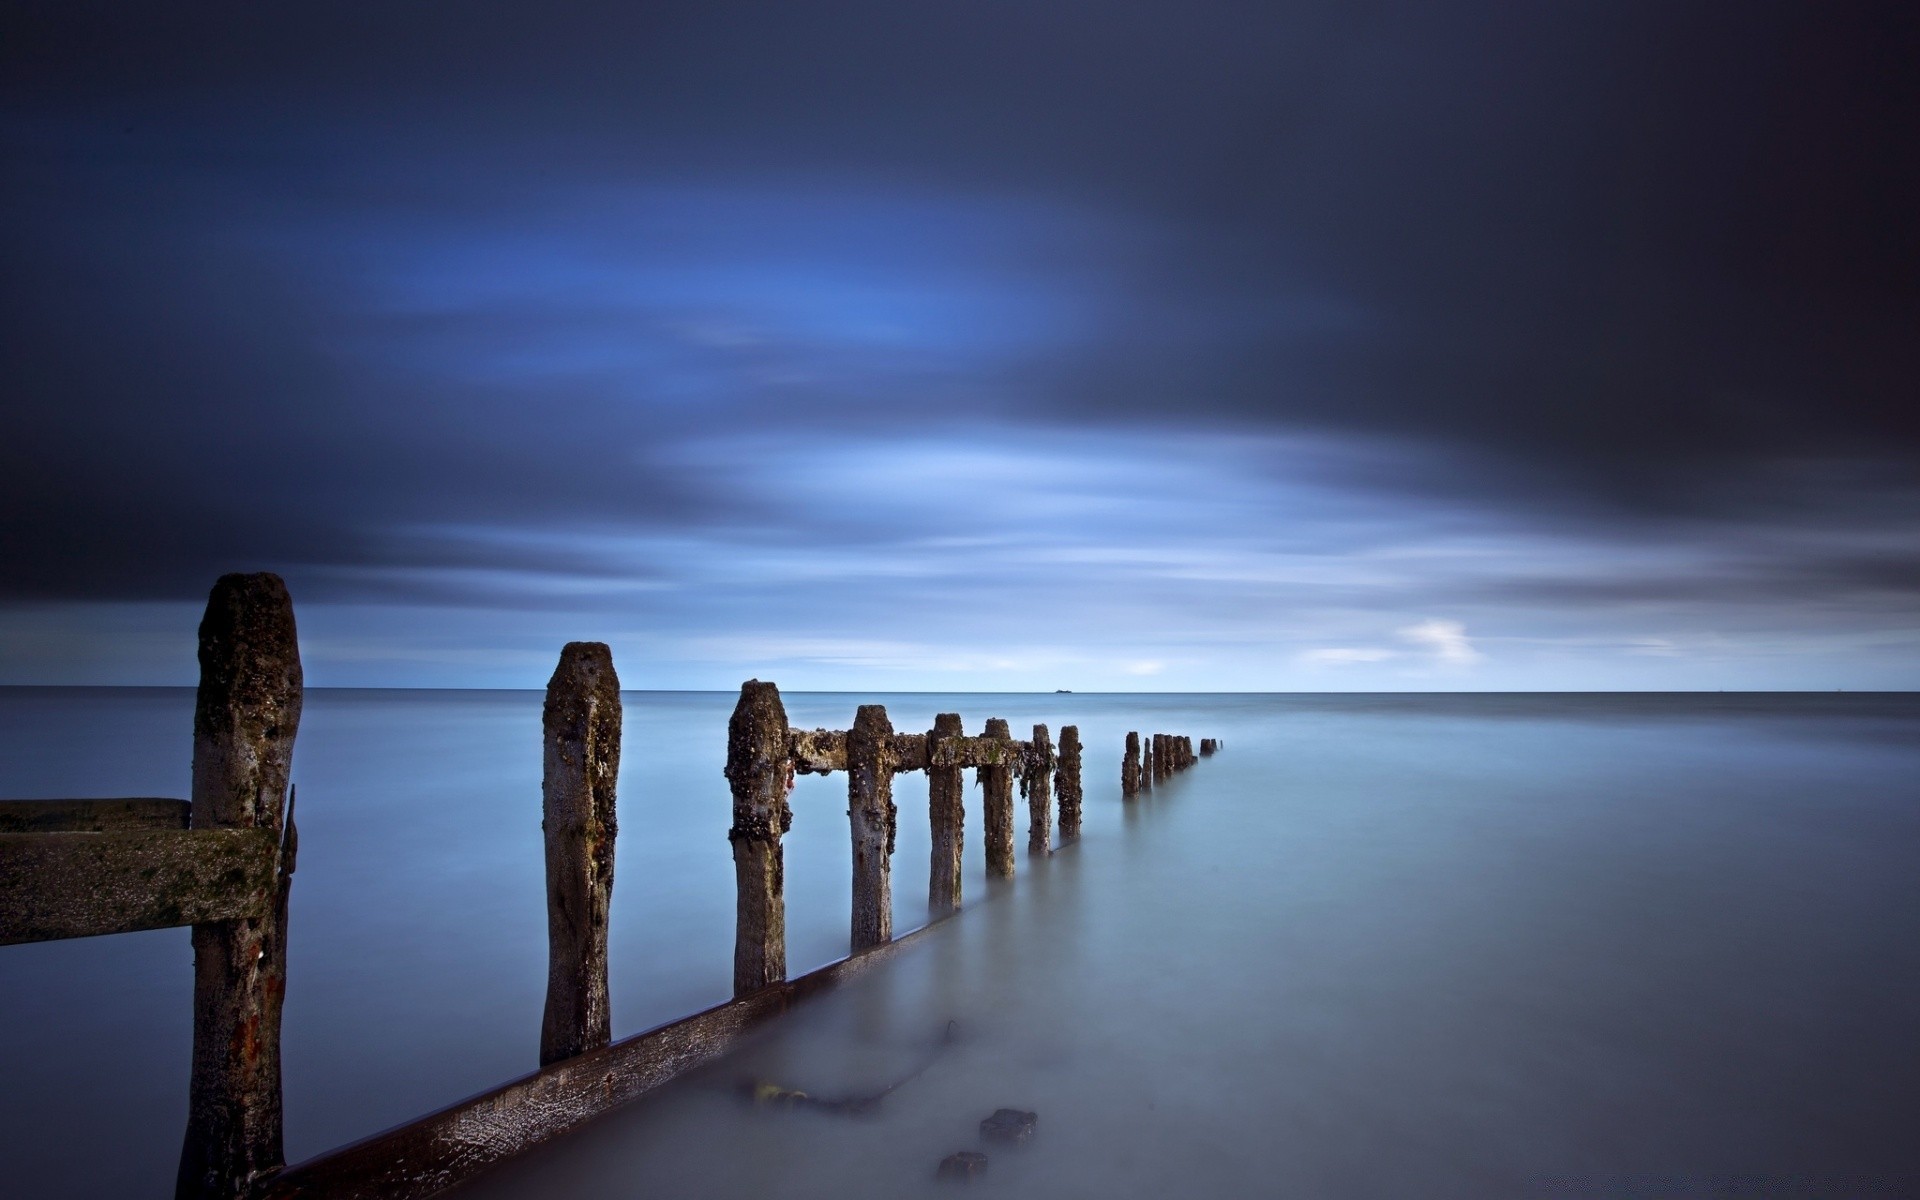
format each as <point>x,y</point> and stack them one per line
<point>244,720</point>
<point>760,771</point>
<point>995,774</point>
<point>1130,767</point>
<point>1037,782</point>
<point>946,812</point>
<point>1067,782</point>
<point>871,813</point>
<point>581,722</point>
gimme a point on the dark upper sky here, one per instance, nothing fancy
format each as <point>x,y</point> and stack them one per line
<point>970,345</point>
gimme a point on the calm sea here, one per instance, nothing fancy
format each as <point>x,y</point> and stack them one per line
<point>1381,946</point>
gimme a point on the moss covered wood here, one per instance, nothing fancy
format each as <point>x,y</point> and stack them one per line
<point>1037,782</point>
<point>93,816</point>
<point>1067,782</point>
<point>760,772</point>
<point>581,723</point>
<point>995,775</point>
<point>871,816</point>
<point>245,717</point>
<point>946,814</point>
<point>68,885</point>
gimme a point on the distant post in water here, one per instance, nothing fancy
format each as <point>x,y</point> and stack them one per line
<point>871,811</point>
<point>1067,782</point>
<point>760,772</point>
<point>1130,766</point>
<point>244,721</point>
<point>996,786</point>
<point>1037,780</point>
<point>946,810</point>
<point>581,722</point>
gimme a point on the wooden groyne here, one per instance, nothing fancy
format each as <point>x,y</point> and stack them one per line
<point>223,863</point>
<point>1164,755</point>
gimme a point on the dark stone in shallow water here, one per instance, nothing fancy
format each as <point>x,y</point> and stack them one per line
<point>964,1166</point>
<point>1009,1125</point>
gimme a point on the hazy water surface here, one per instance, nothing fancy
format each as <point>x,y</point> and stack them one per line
<point>1382,946</point>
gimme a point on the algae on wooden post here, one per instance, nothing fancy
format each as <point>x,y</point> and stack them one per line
<point>946,811</point>
<point>996,787</point>
<point>871,813</point>
<point>760,772</point>
<point>1037,782</point>
<point>581,721</point>
<point>1067,782</point>
<point>245,717</point>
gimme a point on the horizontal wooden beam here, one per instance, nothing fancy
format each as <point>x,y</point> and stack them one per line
<point>977,752</point>
<point>439,1151</point>
<point>92,816</point>
<point>818,751</point>
<point>67,885</point>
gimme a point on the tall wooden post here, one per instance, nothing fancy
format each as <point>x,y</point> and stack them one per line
<point>244,721</point>
<point>1160,771</point>
<point>946,810</point>
<point>1067,782</point>
<point>581,722</point>
<point>1130,766</point>
<point>996,787</point>
<point>1036,779</point>
<point>760,771</point>
<point>871,811</point>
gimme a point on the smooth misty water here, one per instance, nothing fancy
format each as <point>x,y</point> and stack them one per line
<point>1382,946</point>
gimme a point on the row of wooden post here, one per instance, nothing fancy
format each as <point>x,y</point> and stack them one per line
<point>765,754</point>
<point>224,862</point>
<point>1166,754</point>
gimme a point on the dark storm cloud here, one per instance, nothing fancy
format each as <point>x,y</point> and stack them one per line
<point>342,285</point>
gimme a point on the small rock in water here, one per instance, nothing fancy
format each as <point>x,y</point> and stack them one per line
<point>964,1166</point>
<point>1009,1125</point>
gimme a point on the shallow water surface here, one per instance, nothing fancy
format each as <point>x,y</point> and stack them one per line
<point>1392,946</point>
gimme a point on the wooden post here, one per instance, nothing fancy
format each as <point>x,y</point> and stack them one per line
<point>946,810</point>
<point>1130,766</point>
<point>760,771</point>
<point>1067,782</point>
<point>244,721</point>
<point>871,811</point>
<point>582,763</point>
<point>996,786</point>
<point>1036,780</point>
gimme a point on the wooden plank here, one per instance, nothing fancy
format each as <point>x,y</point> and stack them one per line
<point>92,816</point>
<point>442,1150</point>
<point>67,885</point>
<point>818,751</point>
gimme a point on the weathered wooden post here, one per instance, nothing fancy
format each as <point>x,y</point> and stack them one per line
<point>1130,766</point>
<point>581,722</point>
<point>1067,782</point>
<point>244,721</point>
<point>760,770</point>
<point>872,814</point>
<point>1036,779</point>
<point>996,786</point>
<point>946,809</point>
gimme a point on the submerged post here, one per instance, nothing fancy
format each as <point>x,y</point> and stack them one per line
<point>996,787</point>
<point>244,720</point>
<point>1036,778</point>
<point>946,810</point>
<point>1130,766</point>
<point>871,811</point>
<point>760,771</point>
<point>1067,782</point>
<point>581,722</point>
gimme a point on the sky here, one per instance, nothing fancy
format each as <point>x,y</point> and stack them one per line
<point>968,346</point>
